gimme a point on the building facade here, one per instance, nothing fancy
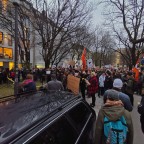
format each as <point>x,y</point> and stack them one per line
<point>29,40</point>
<point>6,41</point>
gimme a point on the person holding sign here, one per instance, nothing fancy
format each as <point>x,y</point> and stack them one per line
<point>83,84</point>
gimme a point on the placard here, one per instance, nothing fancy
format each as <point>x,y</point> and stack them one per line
<point>73,84</point>
<point>48,72</point>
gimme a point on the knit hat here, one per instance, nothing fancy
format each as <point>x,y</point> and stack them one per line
<point>118,83</point>
<point>112,95</point>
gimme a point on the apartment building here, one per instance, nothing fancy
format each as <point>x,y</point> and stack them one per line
<point>6,42</point>
<point>29,39</point>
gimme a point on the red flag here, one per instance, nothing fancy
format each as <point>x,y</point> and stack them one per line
<point>83,58</point>
<point>136,71</point>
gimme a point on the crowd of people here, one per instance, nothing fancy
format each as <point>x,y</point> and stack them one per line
<point>116,87</point>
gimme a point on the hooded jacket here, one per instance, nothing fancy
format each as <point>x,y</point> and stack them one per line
<point>124,98</point>
<point>113,113</point>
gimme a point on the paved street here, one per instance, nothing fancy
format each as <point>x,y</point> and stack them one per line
<point>138,135</point>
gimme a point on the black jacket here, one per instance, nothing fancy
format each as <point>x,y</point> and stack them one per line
<point>108,84</point>
<point>141,112</point>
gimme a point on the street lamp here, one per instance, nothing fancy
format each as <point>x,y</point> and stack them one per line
<point>16,5</point>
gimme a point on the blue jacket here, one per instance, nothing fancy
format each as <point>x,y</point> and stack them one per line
<point>124,98</point>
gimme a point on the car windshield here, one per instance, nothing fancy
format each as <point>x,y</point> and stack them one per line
<point>15,115</point>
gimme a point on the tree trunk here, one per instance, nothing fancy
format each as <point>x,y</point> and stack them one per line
<point>47,63</point>
<point>130,66</point>
<point>27,61</point>
<point>133,55</point>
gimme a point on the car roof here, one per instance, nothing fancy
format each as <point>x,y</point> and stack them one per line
<point>20,113</point>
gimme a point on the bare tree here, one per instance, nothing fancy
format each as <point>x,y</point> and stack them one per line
<point>127,22</point>
<point>103,48</point>
<point>83,38</point>
<point>56,24</point>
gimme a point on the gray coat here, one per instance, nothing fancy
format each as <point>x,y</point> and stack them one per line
<point>55,85</point>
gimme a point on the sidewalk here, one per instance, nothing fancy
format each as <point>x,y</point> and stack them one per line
<point>98,104</point>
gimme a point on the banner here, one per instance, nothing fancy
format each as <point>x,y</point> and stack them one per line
<point>83,58</point>
<point>90,63</point>
<point>73,84</point>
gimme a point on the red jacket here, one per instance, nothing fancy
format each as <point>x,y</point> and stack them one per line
<point>93,87</point>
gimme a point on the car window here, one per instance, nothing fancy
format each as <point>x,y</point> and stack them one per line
<point>79,115</point>
<point>60,132</point>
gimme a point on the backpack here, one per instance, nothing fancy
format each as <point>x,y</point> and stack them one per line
<point>115,132</point>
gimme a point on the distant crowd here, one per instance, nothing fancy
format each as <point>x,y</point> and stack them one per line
<point>116,86</point>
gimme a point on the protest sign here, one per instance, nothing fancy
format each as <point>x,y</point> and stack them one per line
<point>73,84</point>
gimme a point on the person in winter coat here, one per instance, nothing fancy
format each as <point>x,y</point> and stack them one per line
<point>108,83</point>
<point>101,84</point>
<point>93,87</point>
<point>129,90</point>
<point>54,84</point>
<point>142,84</point>
<point>113,109</point>
<point>141,112</point>
<point>83,85</point>
<point>28,84</point>
<point>117,85</point>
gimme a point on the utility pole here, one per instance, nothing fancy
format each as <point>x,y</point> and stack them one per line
<point>16,5</point>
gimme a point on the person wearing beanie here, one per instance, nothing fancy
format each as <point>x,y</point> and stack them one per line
<point>113,111</point>
<point>117,85</point>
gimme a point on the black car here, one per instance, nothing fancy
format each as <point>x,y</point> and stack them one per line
<point>46,118</point>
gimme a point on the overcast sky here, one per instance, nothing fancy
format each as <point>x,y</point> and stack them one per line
<point>97,14</point>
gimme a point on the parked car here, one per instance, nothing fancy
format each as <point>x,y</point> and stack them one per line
<point>46,118</point>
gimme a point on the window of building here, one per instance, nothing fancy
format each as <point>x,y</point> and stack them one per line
<point>4,5</point>
<point>9,40</point>
<point>1,52</point>
<point>1,37</point>
<point>8,53</point>
<point>1,64</point>
<point>11,65</point>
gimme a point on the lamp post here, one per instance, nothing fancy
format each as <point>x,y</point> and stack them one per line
<point>16,5</point>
